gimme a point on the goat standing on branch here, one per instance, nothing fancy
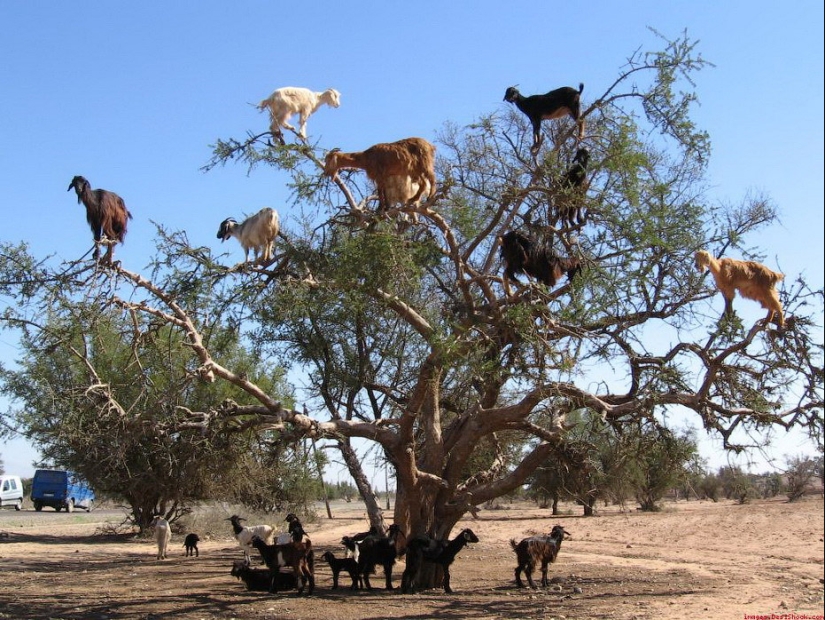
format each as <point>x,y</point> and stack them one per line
<point>564,101</point>
<point>290,100</point>
<point>413,158</point>
<point>753,281</point>
<point>521,254</point>
<point>256,233</point>
<point>106,213</point>
<point>571,189</point>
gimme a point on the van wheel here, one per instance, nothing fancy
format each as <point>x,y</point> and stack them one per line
<point>70,506</point>
<point>18,504</point>
<point>90,505</point>
<point>38,506</point>
<point>58,508</point>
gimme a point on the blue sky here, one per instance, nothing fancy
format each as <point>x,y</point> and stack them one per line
<point>131,95</point>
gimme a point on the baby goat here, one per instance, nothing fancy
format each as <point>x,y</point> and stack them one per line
<point>191,545</point>
<point>537,550</point>
<point>349,565</point>
<point>753,281</point>
<point>289,100</point>
<point>256,233</point>
<point>413,158</point>
<point>555,104</point>
<point>521,254</point>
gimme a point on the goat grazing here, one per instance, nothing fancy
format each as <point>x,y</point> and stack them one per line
<point>244,534</point>
<point>191,545</point>
<point>256,233</point>
<point>163,534</point>
<point>521,254</point>
<point>261,579</point>
<point>290,100</point>
<point>537,550</point>
<point>106,214</point>
<point>296,555</point>
<point>348,565</point>
<point>571,190</point>
<point>413,158</point>
<point>564,101</point>
<point>376,549</point>
<point>425,549</point>
<point>753,281</point>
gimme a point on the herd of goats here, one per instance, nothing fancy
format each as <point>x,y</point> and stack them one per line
<point>290,558</point>
<point>403,173</point>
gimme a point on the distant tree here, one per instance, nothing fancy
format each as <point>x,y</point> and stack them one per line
<point>710,486</point>
<point>736,484</point>
<point>799,472</point>
<point>2,467</point>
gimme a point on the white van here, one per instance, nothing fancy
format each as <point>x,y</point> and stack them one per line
<point>11,492</point>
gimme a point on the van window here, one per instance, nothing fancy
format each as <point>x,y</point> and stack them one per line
<point>6,485</point>
<point>13,484</point>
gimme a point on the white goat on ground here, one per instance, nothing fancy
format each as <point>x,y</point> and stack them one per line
<point>163,534</point>
<point>245,534</point>
<point>256,233</point>
<point>290,100</point>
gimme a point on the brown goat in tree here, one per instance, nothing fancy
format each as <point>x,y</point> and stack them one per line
<point>753,281</point>
<point>521,254</point>
<point>411,157</point>
<point>106,213</point>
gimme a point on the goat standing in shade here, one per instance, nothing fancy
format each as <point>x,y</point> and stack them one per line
<point>256,233</point>
<point>290,100</point>
<point>564,101</point>
<point>521,254</point>
<point>753,281</point>
<point>413,158</point>
<point>537,550</point>
<point>425,549</point>
<point>106,214</point>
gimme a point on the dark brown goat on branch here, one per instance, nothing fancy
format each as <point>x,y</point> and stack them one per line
<point>570,191</point>
<point>564,101</point>
<point>106,213</point>
<point>521,254</point>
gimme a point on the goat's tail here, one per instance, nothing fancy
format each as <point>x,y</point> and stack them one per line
<point>513,544</point>
<point>581,87</point>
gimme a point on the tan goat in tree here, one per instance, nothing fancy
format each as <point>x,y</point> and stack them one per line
<point>753,281</point>
<point>411,157</point>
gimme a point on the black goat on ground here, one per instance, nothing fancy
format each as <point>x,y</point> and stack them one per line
<point>521,254</point>
<point>570,190</point>
<point>537,550</point>
<point>348,565</point>
<point>261,579</point>
<point>383,550</point>
<point>352,543</point>
<point>106,214</point>
<point>191,545</point>
<point>564,101</point>
<point>425,549</point>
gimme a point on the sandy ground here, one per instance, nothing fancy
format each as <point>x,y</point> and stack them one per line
<point>693,560</point>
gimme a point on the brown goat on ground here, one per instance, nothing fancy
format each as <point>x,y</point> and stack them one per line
<point>753,281</point>
<point>410,157</point>
<point>564,101</point>
<point>521,254</point>
<point>537,550</point>
<point>106,214</point>
<point>297,555</point>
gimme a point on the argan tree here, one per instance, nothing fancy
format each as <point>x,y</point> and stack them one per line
<point>407,340</point>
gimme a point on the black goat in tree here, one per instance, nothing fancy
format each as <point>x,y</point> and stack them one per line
<point>570,190</point>
<point>425,549</point>
<point>521,254</point>
<point>564,101</point>
<point>106,213</point>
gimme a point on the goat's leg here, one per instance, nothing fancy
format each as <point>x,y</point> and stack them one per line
<point>528,572</point>
<point>388,576</point>
<point>544,581</point>
<point>447,587</point>
<point>518,577</point>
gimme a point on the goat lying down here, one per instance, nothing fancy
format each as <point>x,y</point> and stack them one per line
<point>753,281</point>
<point>521,254</point>
<point>290,100</point>
<point>394,167</point>
<point>256,233</point>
